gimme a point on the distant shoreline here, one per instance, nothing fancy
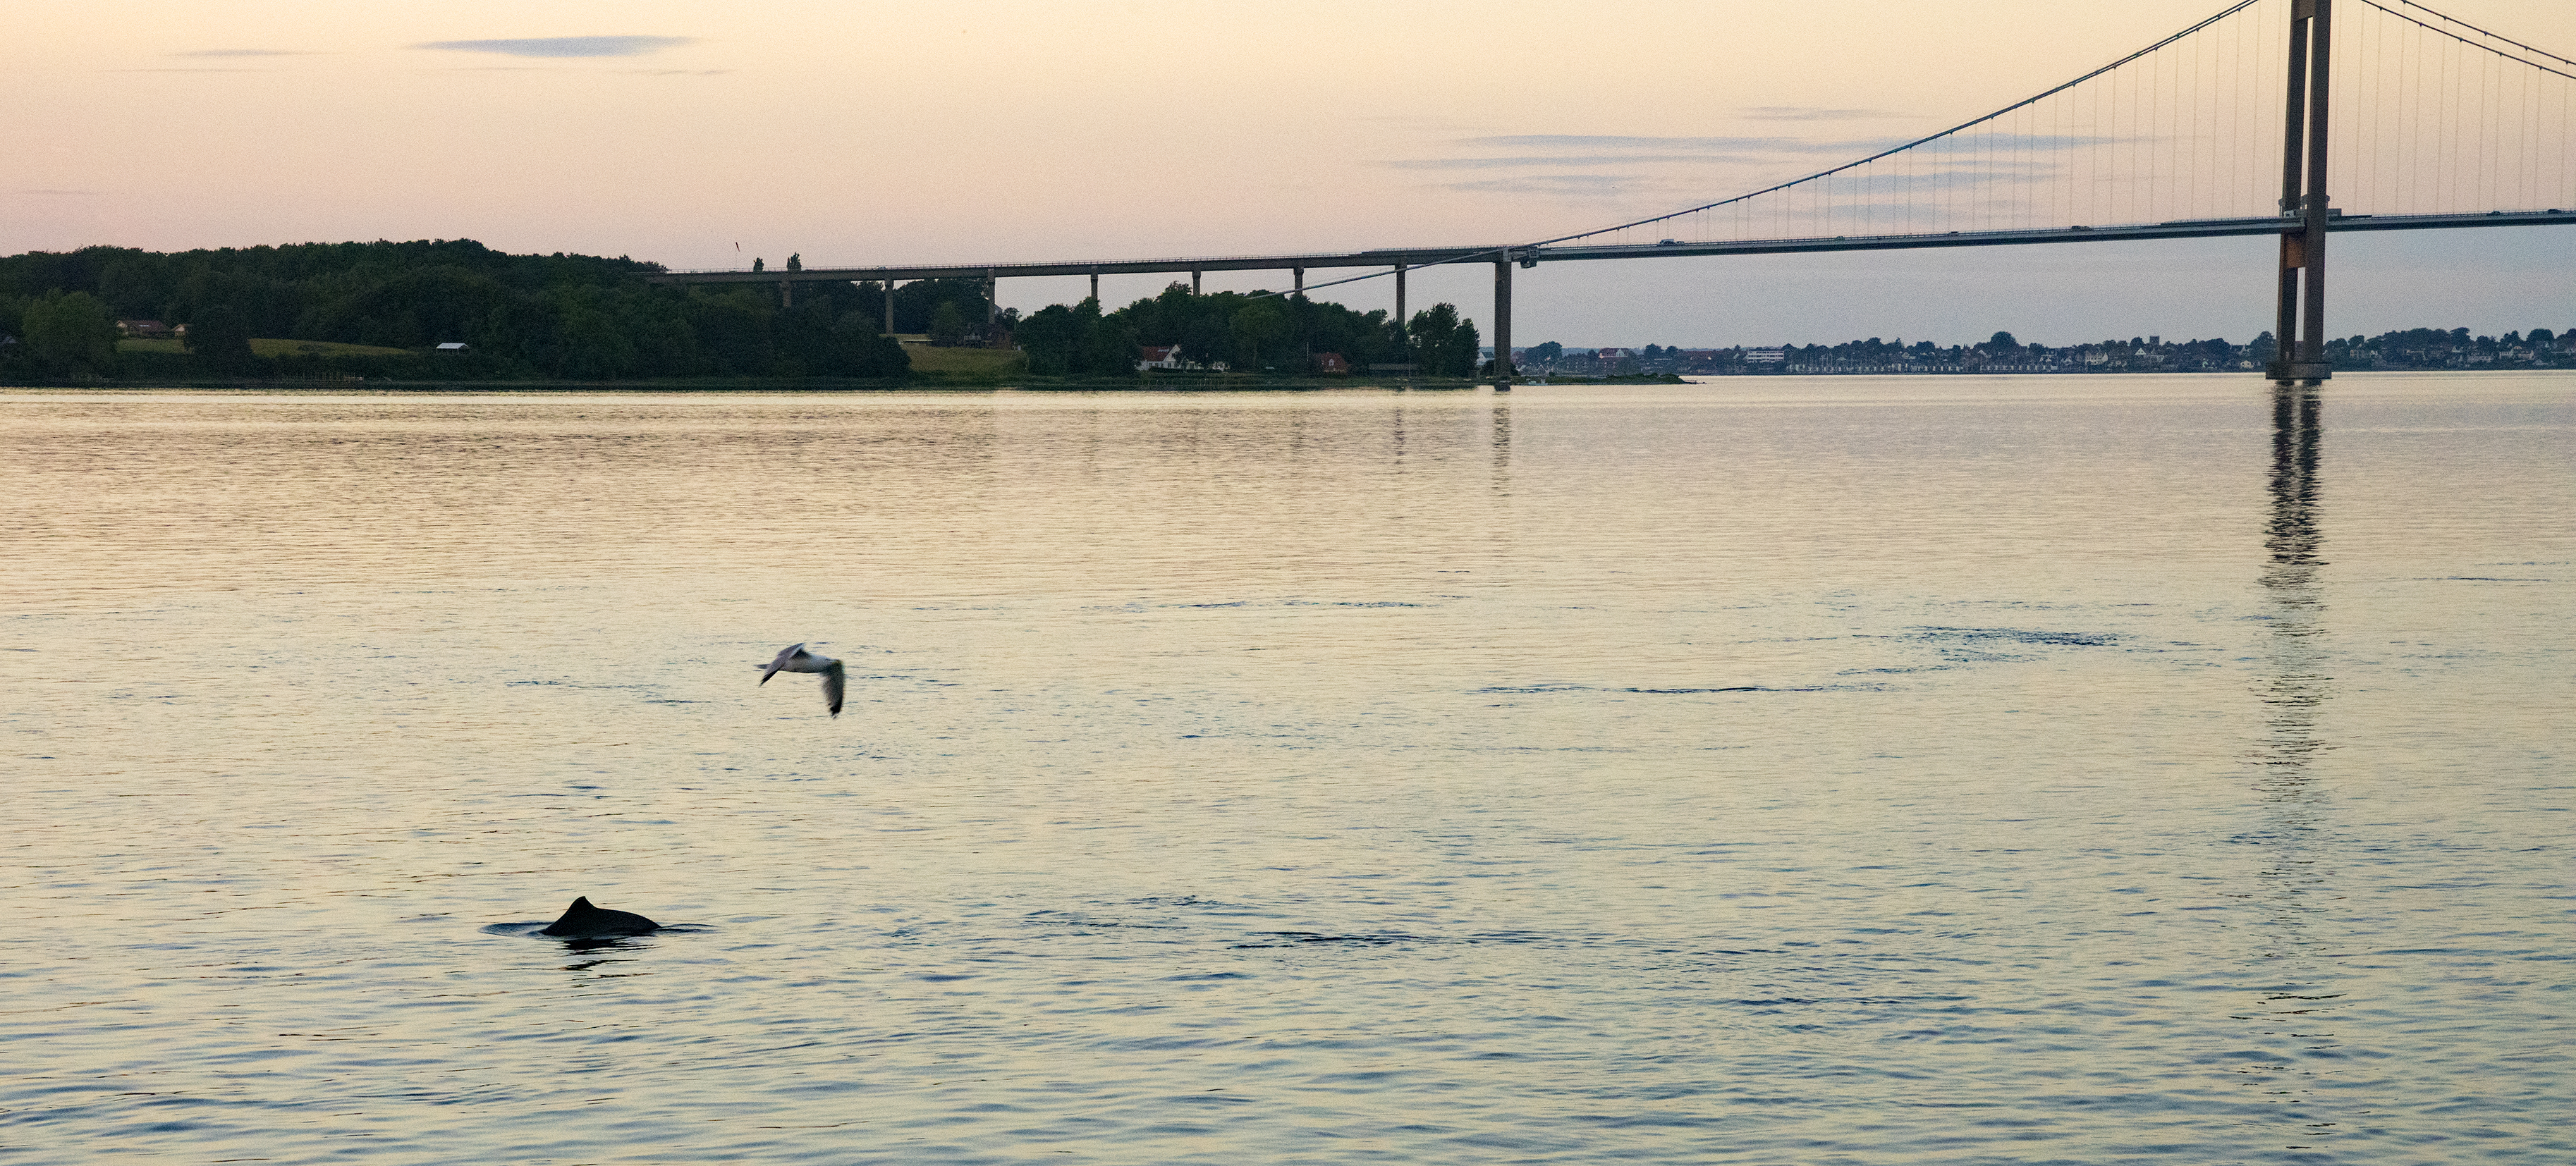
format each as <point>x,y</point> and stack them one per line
<point>1232,384</point>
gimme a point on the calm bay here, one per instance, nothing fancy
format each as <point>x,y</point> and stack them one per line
<point>1832,770</point>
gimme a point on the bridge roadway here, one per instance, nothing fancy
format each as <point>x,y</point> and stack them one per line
<point>1530,256</point>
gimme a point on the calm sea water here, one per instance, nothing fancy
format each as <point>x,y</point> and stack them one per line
<point>1824,771</point>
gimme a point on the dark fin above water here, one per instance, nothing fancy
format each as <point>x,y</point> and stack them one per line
<point>583,919</point>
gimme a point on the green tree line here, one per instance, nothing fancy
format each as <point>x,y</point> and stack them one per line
<point>1249,333</point>
<point>591,318</point>
<point>574,317</point>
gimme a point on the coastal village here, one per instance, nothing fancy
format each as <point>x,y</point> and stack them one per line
<point>2412,350</point>
<point>2415,350</point>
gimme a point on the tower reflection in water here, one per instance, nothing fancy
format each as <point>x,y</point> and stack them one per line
<point>2286,960</point>
<point>2295,688</point>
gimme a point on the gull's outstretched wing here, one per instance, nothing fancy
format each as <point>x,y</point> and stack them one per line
<point>784,655</point>
<point>832,678</point>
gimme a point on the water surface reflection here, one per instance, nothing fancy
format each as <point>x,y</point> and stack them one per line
<point>1867,772</point>
<point>2293,945</point>
<point>2294,599</point>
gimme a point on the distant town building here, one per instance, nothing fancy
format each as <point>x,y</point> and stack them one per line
<point>1766,355</point>
<point>1331,364</point>
<point>1168,356</point>
<point>454,346</point>
<point>145,329</point>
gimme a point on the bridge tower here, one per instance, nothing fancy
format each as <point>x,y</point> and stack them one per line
<point>1403,342</point>
<point>2299,341</point>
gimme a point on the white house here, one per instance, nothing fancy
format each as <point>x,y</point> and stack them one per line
<point>1169,356</point>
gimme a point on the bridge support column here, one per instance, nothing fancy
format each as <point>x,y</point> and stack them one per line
<point>1503,324</point>
<point>1301,279</point>
<point>889,306</point>
<point>1194,282</point>
<point>2299,321</point>
<point>992,305</point>
<point>1095,287</point>
<point>1403,338</point>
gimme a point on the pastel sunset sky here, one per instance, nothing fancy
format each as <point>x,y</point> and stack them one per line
<point>860,133</point>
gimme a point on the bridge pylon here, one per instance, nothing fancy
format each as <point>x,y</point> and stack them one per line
<point>2298,335</point>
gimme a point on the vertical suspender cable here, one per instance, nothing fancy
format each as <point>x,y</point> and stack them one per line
<point>2412,130</point>
<point>2453,130</point>
<point>2153,106</point>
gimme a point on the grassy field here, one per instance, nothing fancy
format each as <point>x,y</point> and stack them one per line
<point>971,362</point>
<point>269,348</point>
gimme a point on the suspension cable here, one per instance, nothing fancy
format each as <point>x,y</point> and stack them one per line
<point>2473,44</point>
<point>2231,10</point>
<point>1507,253</point>
<point>2480,31</point>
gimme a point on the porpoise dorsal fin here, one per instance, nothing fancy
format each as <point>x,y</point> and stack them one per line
<point>581,903</point>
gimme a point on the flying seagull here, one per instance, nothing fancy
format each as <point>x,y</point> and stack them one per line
<point>796,659</point>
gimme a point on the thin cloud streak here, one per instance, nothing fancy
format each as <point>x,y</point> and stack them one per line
<point>1781,145</point>
<point>564,46</point>
<point>246,53</point>
<point>1567,160</point>
<point>1594,185</point>
<point>1814,113</point>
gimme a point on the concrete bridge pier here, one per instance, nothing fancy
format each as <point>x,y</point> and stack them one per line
<point>888,285</point>
<point>1503,323</point>
<point>2299,325</point>
<point>1095,287</point>
<point>1301,280</point>
<point>1403,341</point>
<point>1194,281</point>
<point>992,304</point>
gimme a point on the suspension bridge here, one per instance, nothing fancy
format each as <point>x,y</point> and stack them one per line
<point>2242,124</point>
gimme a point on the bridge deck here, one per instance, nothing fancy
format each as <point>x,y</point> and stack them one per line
<point>1427,256</point>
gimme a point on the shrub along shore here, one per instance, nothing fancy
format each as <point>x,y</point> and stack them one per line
<point>455,313</point>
